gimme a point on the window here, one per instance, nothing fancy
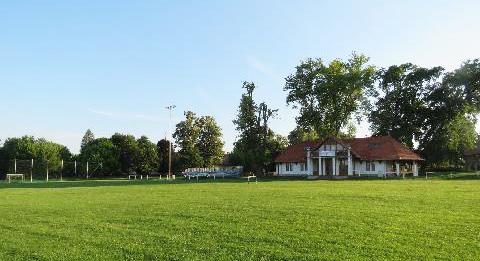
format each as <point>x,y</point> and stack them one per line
<point>370,165</point>
<point>289,167</point>
<point>302,166</point>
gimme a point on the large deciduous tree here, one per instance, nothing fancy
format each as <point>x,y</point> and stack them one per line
<point>103,153</point>
<point>301,134</point>
<point>400,106</point>
<point>147,157</point>
<point>40,150</point>
<point>186,136</point>
<point>128,150</point>
<point>199,140</point>
<point>329,96</point>
<point>430,108</point>
<point>449,126</point>
<point>210,142</point>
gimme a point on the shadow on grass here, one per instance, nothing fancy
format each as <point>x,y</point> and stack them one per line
<point>126,182</point>
<point>180,181</point>
<point>454,175</point>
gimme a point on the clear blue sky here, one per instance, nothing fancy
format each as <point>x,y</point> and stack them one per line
<point>113,66</point>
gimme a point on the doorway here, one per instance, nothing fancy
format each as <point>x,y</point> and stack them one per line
<point>343,167</point>
<point>328,166</point>
<point>315,167</point>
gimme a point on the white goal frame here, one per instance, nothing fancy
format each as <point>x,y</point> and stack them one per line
<point>15,175</point>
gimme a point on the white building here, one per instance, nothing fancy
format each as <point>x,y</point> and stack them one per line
<point>374,156</point>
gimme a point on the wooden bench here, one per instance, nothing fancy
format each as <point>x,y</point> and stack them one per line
<point>428,172</point>
<point>16,175</point>
<point>252,177</point>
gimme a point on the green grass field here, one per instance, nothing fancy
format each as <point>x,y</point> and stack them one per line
<point>271,220</point>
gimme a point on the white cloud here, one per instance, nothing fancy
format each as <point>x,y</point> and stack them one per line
<point>261,67</point>
<point>102,113</point>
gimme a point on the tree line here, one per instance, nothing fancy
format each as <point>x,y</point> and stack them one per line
<point>430,110</point>
<point>198,138</point>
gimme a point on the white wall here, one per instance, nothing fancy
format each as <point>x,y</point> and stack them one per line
<point>281,170</point>
<point>361,167</point>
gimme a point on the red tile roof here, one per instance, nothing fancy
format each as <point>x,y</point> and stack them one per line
<point>372,148</point>
<point>381,148</point>
<point>297,152</point>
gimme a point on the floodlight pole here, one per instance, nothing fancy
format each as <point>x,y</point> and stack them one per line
<point>170,108</point>
<point>61,172</point>
<point>31,172</point>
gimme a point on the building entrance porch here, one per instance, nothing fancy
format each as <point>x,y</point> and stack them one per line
<point>326,166</point>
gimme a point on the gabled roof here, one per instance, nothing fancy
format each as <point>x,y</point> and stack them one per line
<point>297,152</point>
<point>381,148</point>
<point>372,148</point>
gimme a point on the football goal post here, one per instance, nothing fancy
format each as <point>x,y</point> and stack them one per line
<point>81,169</point>
<point>19,168</point>
<point>30,169</point>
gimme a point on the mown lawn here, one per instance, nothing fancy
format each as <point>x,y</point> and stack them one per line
<point>271,220</point>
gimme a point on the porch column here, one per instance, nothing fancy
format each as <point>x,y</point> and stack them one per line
<point>334,164</point>
<point>415,169</point>
<point>350,165</point>
<point>397,168</point>
<point>323,167</point>
<point>309,166</point>
<point>320,172</point>
<point>320,165</point>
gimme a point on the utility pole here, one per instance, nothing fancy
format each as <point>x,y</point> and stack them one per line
<point>170,108</point>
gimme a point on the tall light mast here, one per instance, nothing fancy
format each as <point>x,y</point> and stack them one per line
<point>170,108</point>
